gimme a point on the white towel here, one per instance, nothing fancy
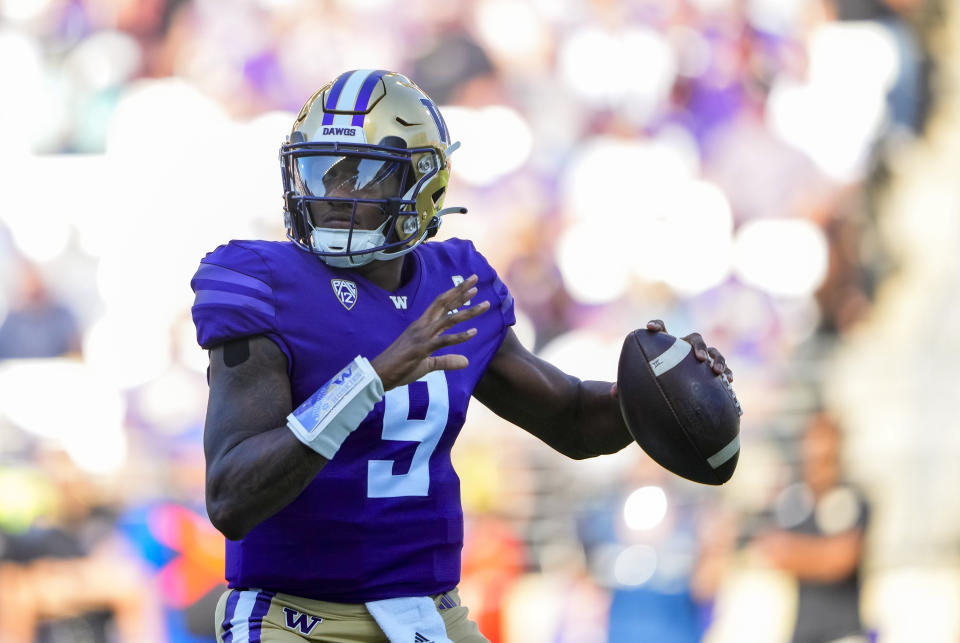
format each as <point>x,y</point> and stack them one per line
<point>412,619</point>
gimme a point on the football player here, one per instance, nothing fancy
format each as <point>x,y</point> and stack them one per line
<point>342,362</point>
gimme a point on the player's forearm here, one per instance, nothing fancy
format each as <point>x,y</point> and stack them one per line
<point>578,419</point>
<point>257,478</point>
<point>581,420</point>
<point>598,419</point>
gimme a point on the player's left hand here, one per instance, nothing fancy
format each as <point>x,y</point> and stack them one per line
<point>700,350</point>
<point>411,355</point>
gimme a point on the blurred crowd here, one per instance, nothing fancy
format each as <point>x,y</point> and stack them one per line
<point>717,164</point>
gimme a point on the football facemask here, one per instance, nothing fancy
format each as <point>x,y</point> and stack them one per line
<point>345,195</point>
<point>365,169</point>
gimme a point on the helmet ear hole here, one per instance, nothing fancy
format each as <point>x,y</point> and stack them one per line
<point>393,141</point>
<point>437,196</point>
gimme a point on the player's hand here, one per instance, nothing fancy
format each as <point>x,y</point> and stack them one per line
<point>700,350</point>
<point>410,356</point>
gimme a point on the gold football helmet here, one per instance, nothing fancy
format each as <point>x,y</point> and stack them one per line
<point>368,142</point>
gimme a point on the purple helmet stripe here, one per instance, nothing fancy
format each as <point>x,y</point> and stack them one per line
<point>228,616</point>
<point>334,96</point>
<point>437,118</point>
<point>364,96</point>
<point>224,298</point>
<point>260,609</point>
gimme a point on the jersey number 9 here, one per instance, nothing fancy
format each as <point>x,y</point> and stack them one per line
<point>397,425</point>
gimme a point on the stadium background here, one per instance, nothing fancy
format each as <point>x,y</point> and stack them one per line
<point>779,175</point>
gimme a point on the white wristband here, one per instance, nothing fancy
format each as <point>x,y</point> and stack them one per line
<point>338,407</point>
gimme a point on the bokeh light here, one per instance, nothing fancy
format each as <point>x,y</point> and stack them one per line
<point>645,508</point>
<point>495,141</point>
<point>635,565</point>
<point>128,349</point>
<point>595,262</point>
<point>24,10</point>
<point>21,67</point>
<point>603,67</point>
<point>585,352</point>
<point>511,28</point>
<point>782,256</point>
<point>69,404</point>
<point>836,115</point>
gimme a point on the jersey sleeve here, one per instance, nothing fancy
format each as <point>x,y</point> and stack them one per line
<point>234,297</point>
<point>506,300</point>
<point>503,297</point>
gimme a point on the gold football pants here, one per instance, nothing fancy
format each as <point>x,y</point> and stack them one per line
<point>251,616</point>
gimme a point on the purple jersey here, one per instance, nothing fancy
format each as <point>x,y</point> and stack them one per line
<point>383,518</point>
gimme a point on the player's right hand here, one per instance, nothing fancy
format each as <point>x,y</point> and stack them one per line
<point>410,356</point>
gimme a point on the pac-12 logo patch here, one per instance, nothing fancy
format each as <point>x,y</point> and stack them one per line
<point>346,292</point>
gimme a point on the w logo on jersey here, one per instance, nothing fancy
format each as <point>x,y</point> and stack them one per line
<point>346,292</point>
<point>298,620</point>
<point>457,280</point>
<point>400,301</point>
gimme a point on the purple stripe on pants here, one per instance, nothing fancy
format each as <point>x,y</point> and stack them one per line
<point>228,616</point>
<point>364,96</point>
<point>260,609</point>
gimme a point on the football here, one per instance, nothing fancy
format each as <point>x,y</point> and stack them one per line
<point>681,413</point>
